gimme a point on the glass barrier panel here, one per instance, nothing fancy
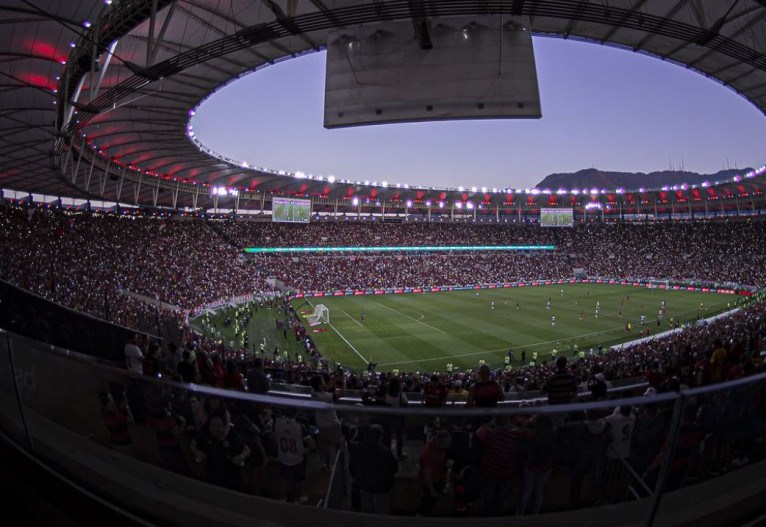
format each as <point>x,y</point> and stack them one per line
<point>11,418</point>
<point>377,451</point>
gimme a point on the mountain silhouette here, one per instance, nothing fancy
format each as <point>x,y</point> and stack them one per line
<point>594,178</point>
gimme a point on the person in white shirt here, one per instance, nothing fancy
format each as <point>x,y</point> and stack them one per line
<point>291,455</point>
<point>134,357</point>
<point>622,422</point>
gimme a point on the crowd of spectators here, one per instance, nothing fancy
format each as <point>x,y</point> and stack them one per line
<point>88,261</point>
<point>718,251</point>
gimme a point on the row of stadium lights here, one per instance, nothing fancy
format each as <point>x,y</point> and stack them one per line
<point>134,212</point>
<point>384,184</point>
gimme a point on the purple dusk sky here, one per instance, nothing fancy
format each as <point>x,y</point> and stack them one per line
<point>602,107</point>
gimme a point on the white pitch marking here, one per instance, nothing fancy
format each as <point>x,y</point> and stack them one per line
<point>352,318</point>
<point>413,319</point>
<point>344,339</point>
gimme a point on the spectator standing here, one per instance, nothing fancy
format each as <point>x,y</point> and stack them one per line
<point>485,393</point>
<point>134,357</point>
<point>116,417</point>
<point>432,470</point>
<point>257,382</point>
<point>396,399</point>
<point>561,387</point>
<point>539,462</point>
<point>291,455</point>
<point>327,421</point>
<point>222,450</point>
<point>187,367</point>
<point>500,441</point>
<point>373,467</point>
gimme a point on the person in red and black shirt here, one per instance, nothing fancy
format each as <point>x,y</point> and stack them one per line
<point>116,418</point>
<point>500,441</point>
<point>432,470</point>
<point>168,426</point>
<point>561,387</point>
<point>222,450</point>
<point>434,393</point>
<point>485,392</point>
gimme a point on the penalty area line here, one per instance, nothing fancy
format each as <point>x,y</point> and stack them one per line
<point>345,340</point>
<point>352,318</point>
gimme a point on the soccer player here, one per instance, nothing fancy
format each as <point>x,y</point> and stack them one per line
<point>643,319</point>
<point>493,304</point>
<point>581,314</point>
<point>562,292</point>
<point>517,305</point>
<point>548,305</point>
<point>553,320</point>
<point>364,315</point>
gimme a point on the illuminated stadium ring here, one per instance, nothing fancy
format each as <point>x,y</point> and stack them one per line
<point>129,101</point>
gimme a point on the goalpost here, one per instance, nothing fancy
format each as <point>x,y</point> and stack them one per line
<point>321,315</point>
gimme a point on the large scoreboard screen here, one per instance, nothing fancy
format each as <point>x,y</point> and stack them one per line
<point>291,210</point>
<point>556,217</point>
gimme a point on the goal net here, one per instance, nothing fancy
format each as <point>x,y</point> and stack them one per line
<point>321,315</point>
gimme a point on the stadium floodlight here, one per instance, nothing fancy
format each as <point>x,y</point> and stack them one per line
<point>441,204</point>
<point>384,184</point>
<point>355,201</point>
<point>469,205</point>
<point>458,205</point>
<point>460,188</point>
<point>483,189</point>
<point>409,203</point>
<point>473,189</point>
<point>300,175</point>
<point>331,179</point>
<point>428,203</point>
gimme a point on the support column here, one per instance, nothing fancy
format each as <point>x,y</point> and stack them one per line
<point>136,190</point>
<point>77,165</point>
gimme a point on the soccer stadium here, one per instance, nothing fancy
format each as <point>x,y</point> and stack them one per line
<point>187,338</point>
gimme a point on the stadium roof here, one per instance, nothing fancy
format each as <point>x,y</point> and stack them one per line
<point>123,76</point>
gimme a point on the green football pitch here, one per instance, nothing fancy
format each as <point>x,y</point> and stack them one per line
<point>424,332</point>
